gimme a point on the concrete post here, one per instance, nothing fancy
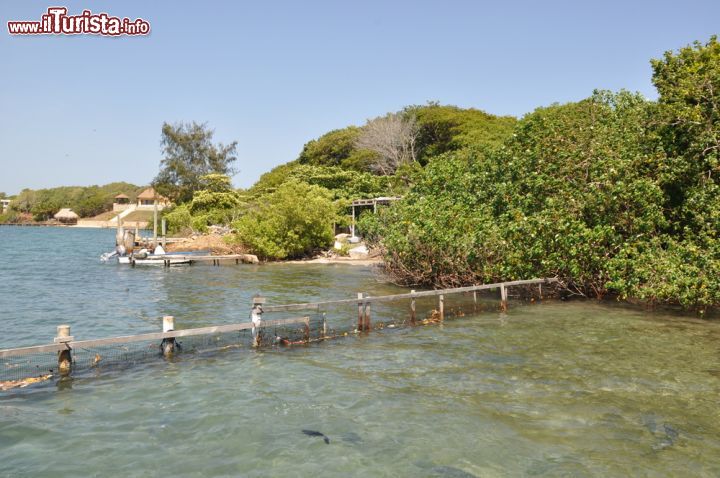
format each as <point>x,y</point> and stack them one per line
<point>168,345</point>
<point>64,356</point>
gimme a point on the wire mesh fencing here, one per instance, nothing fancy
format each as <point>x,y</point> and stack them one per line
<point>25,366</point>
<point>279,326</point>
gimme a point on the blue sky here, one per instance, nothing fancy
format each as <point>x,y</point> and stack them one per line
<point>272,75</point>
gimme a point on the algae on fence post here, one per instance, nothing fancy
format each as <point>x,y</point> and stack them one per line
<point>64,356</point>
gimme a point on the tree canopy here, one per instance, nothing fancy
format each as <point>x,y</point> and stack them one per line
<point>437,129</point>
<point>190,154</point>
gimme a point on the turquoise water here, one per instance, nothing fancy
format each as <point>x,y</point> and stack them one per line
<point>555,389</point>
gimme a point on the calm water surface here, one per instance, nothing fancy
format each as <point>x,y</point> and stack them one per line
<point>577,389</point>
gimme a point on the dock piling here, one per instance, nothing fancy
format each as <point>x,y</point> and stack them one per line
<point>441,305</point>
<point>360,312</point>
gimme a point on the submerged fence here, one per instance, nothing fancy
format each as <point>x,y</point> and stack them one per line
<point>20,367</point>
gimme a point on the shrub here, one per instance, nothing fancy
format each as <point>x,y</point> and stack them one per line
<point>179,219</point>
<point>291,222</point>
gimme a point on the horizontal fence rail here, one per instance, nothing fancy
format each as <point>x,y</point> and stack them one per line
<point>410,295</point>
<point>148,337</point>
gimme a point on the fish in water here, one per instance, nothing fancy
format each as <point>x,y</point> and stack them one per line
<point>313,433</point>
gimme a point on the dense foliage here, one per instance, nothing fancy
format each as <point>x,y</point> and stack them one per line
<point>449,128</point>
<point>337,148</point>
<point>291,222</point>
<point>216,203</point>
<point>85,201</point>
<point>613,194</point>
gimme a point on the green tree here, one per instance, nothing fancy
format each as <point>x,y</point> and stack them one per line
<point>450,128</point>
<point>189,154</point>
<point>337,148</point>
<point>216,183</point>
<point>688,82</point>
<point>291,222</point>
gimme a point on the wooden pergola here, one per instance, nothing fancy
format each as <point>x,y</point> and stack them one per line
<point>384,201</point>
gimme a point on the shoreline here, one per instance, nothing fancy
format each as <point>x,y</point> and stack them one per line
<point>333,260</point>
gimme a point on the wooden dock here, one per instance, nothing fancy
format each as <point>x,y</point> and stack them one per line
<point>218,260</point>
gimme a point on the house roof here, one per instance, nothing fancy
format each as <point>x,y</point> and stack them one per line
<point>149,193</point>
<point>66,213</point>
<point>122,196</point>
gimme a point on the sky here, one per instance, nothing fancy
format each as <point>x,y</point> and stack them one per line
<point>272,75</point>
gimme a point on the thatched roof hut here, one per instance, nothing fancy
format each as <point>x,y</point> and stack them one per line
<point>122,199</point>
<point>67,216</point>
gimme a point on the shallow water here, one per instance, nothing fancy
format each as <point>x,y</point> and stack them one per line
<point>556,389</point>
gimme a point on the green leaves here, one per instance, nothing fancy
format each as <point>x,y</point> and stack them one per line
<point>291,222</point>
<point>581,191</point>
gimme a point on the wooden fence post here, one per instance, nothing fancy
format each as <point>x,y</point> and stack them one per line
<point>442,307</point>
<point>503,298</point>
<point>360,312</point>
<point>412,308</point>
<point>64,356</point>
<point>168,345</point>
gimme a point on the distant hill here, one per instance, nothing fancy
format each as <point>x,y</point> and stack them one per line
<point>86,201</point>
